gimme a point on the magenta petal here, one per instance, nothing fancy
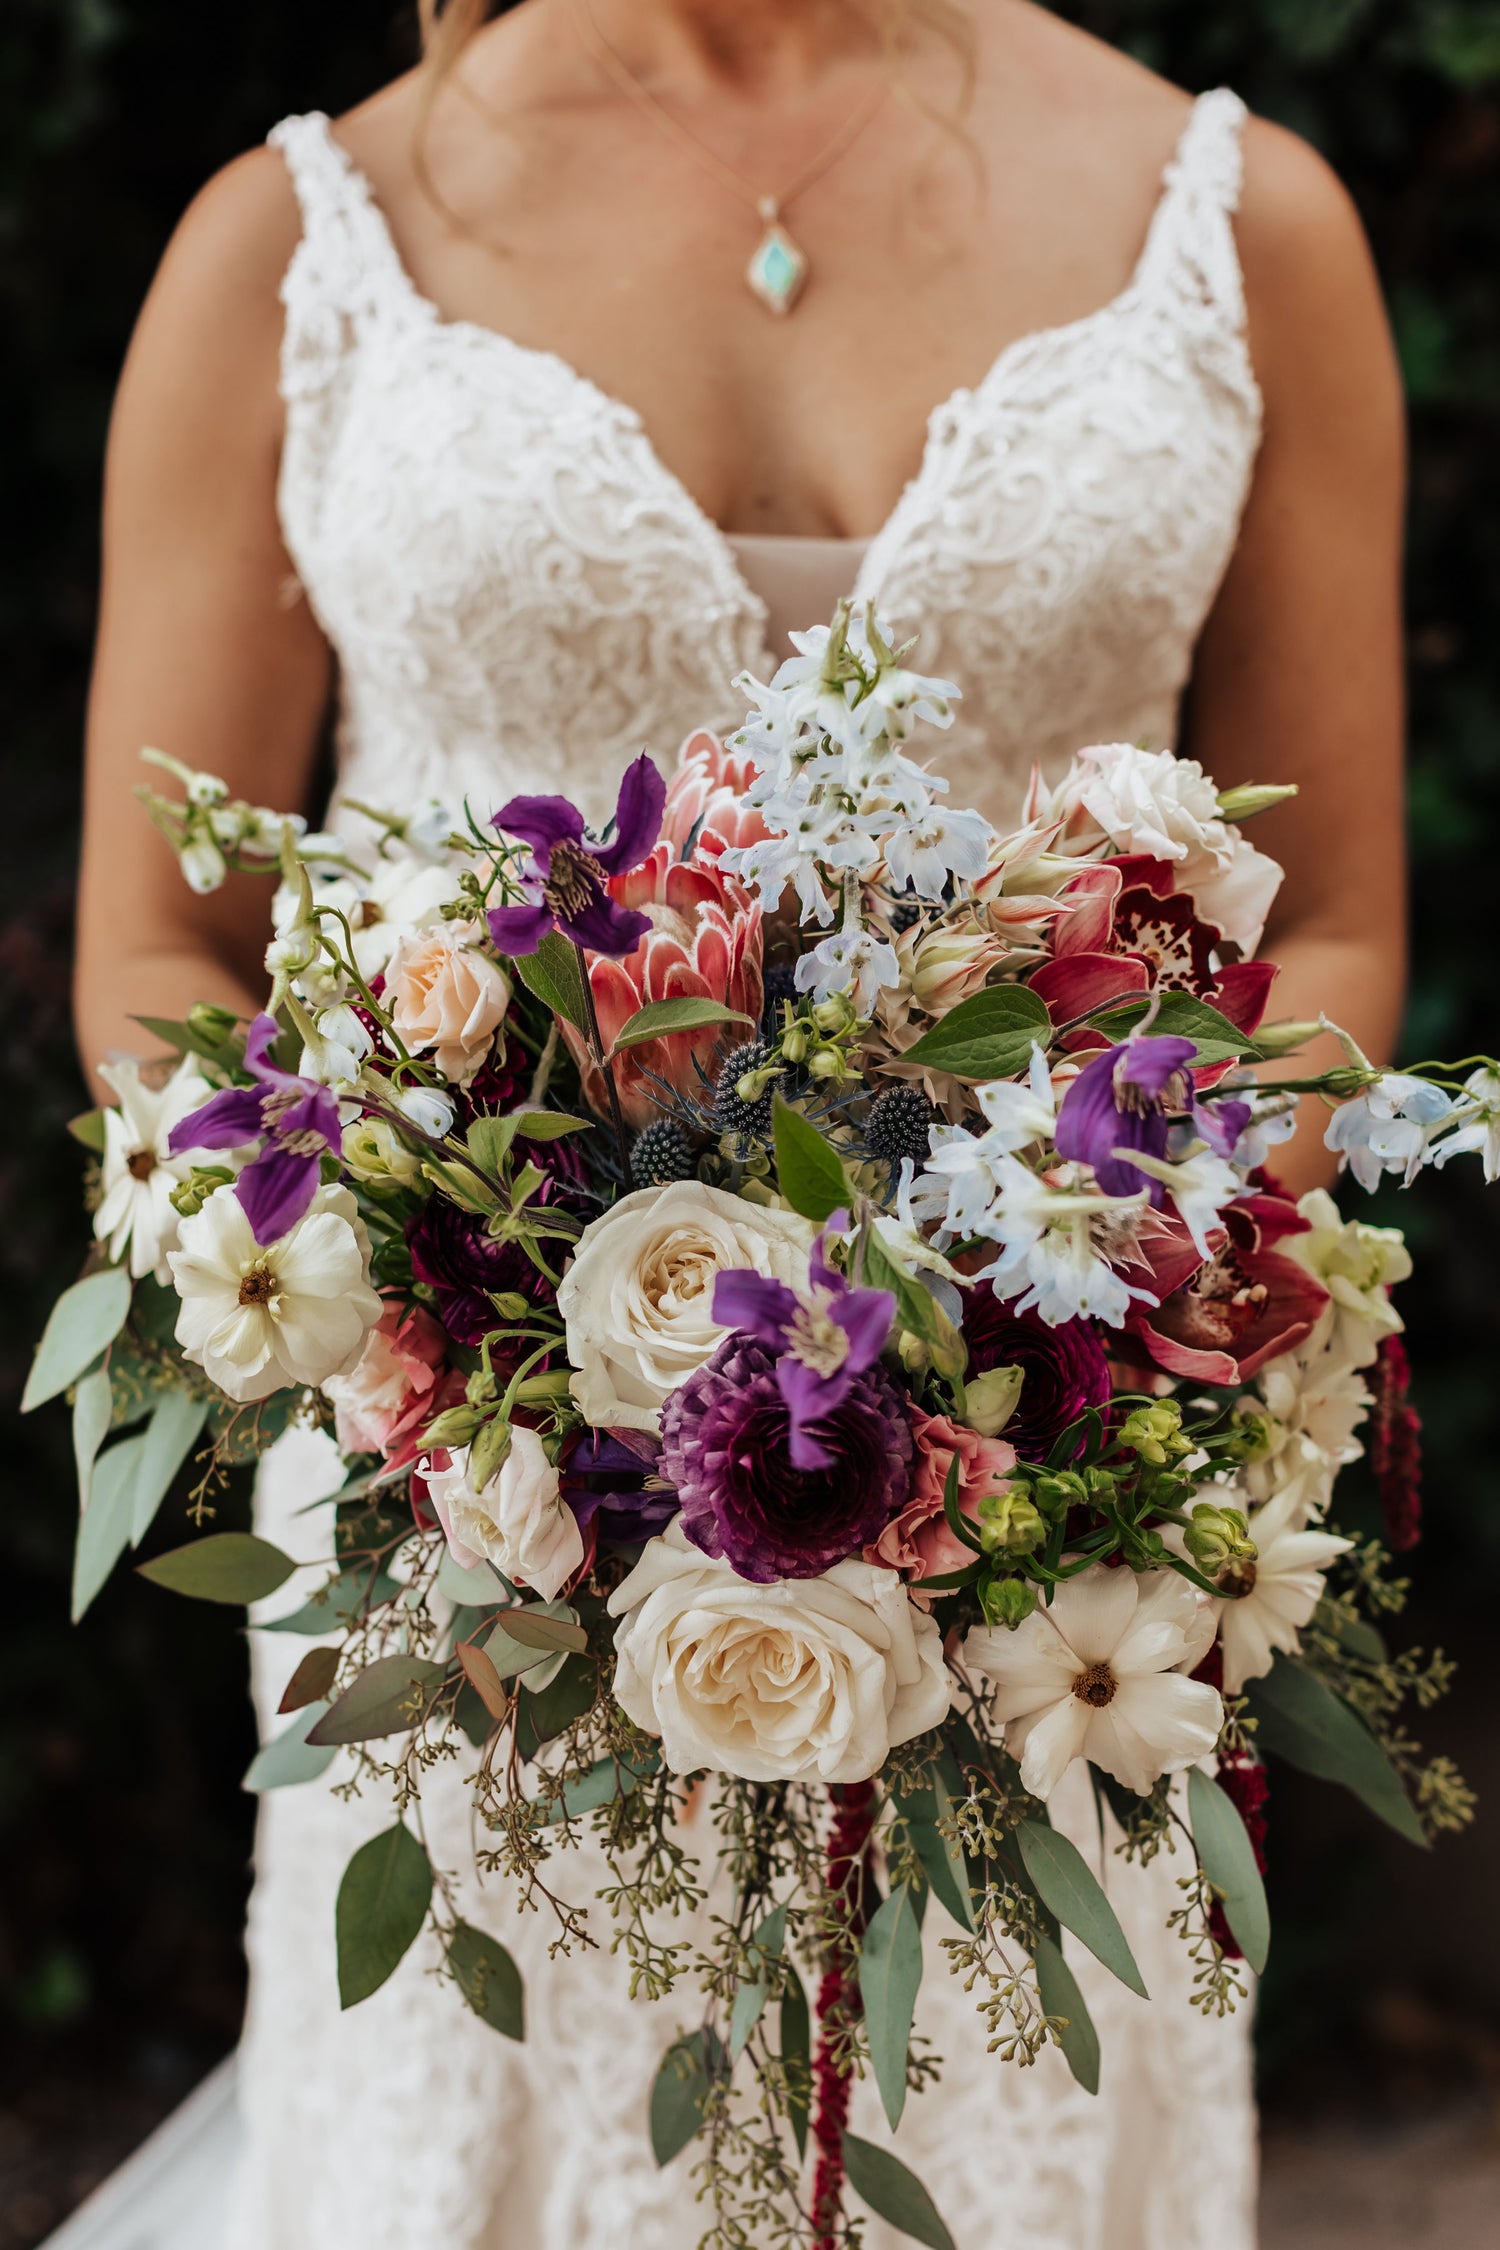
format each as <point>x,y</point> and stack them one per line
<point>603,927</point>
<point>226,1120</point>
<point>1152,1060</point>
<point>865,1315</point>
<point>519,930</point>
<point>259,1040</point>
<point>754,1304</point>
<point>643,797</point>
<point>541,822</point>
<point>274,1192</point>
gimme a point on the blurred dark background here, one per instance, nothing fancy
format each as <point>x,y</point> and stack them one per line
<point>123,1832</point>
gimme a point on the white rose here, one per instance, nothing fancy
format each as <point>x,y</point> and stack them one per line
<point>637,1301</point>
<point>807,1679</point>
<point>260,1317</point>
<point>519,1521</point>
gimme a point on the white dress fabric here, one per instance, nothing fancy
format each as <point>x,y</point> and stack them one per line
<point>520,596</point>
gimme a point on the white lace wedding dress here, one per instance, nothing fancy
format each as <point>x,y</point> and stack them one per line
<point>521,595</point>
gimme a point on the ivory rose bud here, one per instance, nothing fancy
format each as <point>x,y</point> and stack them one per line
<point>637,1301</point>
<point>518,1521</point>
<point>447,997</point>
<point>808,1679</point>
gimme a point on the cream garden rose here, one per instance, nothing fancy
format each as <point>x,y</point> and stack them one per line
<point>637,1300</point>
<point>806,1679</point>
<point>518,1521</point>
<point>447,997</point>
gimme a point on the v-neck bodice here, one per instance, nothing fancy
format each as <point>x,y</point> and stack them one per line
<point>521,594</point>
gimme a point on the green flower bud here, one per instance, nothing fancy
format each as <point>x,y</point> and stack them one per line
<point>1251,797</point>
<point>189,1197</point>
<point>1254,1432</point>
<point>455,1427</point>
<point>1155,1433</point>
<point>795,1042</point>
<point>990,1399</point>
<point>487,1453</point>
<point>211,1023</point>
<point>834,1015</point>
<point>1285,1038</point>
<point>826,1062</point>
<point>754,1083</point>
<point>1006,1601</point>
<point>510,1305</point>
<point>375,1154</point>
<point>1217,1536</point>
<point>1010,1523</point>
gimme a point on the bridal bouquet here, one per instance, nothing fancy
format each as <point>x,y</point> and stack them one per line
<point>860,1356</point>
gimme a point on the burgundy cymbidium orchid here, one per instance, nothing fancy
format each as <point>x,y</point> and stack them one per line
<point>566,885</point>
<point>295,1119</point>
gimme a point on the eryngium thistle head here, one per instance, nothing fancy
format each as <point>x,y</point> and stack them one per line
<point>662,1154</point>
<point>898,1123</point>
<point>732,1113</point>
<point>724,1446</point>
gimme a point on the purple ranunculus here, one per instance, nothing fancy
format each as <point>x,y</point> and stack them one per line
<point>565,885</point>
<point>1124,1099</point>
<point>1064,1368</point>
<point>726,1446</point>
<point>825,1341</point>
<point>295,1120</point>
<point>616,1480</point>
<point>454,1254</point>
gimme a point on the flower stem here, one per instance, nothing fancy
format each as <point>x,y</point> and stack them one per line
<point>596,1046</point>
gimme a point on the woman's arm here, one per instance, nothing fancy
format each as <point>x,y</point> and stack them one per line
<point>1299,672</point>
<point>206,645</point>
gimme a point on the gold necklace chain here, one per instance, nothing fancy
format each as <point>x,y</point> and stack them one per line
<point>779,268</point>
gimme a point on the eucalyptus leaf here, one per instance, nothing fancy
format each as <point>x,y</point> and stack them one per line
<point>479,1588</point>
<point>796,2052</point>
<point>1068,1887</point>
<point>311,1681</point>
<point>893,2193</point>
<point>544,1713</point>
<point>93,1404</point>
<point>489,1980</point>
<point>890,1973</point>
<point>104,1531</point>
<point>603,1782</point>
<point>942,1861</point>
<point>383,1699</point>
<point>1298,1717</point>
<point>169,1437</point>
<point>538,1627</point>
<point>334,1604</point>
<point>554,975</point>
<point>228,1566</point>
<point>750,1999</point>
<point>681,2089</point>
<point>85,1320</point>
<point>809,1170</point>
<point>1060,1996</point>
<point>988,1036</point>
<point>479,1670</point>
<point>1227,1857</point>
<point>288,1759</point>
<point>382,1904</point>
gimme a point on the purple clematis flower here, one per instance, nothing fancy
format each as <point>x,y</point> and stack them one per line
<point>1123,1100</point>
<point>566,883</point>
<point>294,1119</point>
<point>822,1345</point>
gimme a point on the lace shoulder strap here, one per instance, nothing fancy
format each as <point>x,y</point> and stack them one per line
<point>1192,252</point>
<point>344,269</point>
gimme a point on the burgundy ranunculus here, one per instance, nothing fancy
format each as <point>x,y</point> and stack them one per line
<point>726,1446</point>
<point>453,1254</point>
<point>1065,1368</point>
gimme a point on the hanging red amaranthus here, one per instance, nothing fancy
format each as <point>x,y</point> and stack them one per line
<point>1396,1445</point>
<point>838,2002</point>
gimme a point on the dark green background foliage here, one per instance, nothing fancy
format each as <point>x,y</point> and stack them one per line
<point>122,1833</point>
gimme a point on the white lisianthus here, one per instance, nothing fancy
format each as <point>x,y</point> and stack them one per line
<point>263,1317</point>
<point>401,895</point>
<point>137,1172</point>
<point>1100,1674</point>
<point>1274,1595</point>
<point>519,1521</point>
<point>637,1300</point>
<point>805,1679</point>
<point>1357,1265</point>
<point>1393,1126</point>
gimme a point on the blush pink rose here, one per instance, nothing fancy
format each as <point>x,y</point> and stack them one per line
<point>392,1391</point>
<point>917,1540</point>
<point>447,997</point>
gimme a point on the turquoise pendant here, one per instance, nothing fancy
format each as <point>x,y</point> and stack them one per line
<point>777,272</point>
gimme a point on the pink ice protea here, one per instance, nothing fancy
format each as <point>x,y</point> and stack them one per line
<point>706,812</point>
<point>704,943</point>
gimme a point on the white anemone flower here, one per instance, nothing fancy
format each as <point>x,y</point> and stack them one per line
<point>261,1317</point>
<point>1101,1674</point>
<point>137,1171</point>
<point>1274,1594</point>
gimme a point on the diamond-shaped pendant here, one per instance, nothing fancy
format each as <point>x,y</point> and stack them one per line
<point>778,270</point>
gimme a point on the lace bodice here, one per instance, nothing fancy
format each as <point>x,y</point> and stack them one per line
<point>521,594</point>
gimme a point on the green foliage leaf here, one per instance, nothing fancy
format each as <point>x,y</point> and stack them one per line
<point>489,1980</point>
<point>809,1170</point>
<point>289,1759</point>
<point>1298,1717</point>
<point>382,1904</point>
<point>682,2085</point>
<point>88,1130</point>
<point>381,1700</point>
<point>489,1139</point>
<point>1060,1996</point>
<point>1181,1016</point>
<point>85,1320</point>
<point>796,2049</point>
<point>890,1972</point>
<point>554,975</point>
<point>311,1681</point>
<point>751,1997</point>
<point>1068,1888</point>
<point>663,1019</point>
<point>988,1036</point>
<point>916,1309</point>
<point>1227,1858</point>
<point>335,1603</point>
<point>535,1628</point>
<point>170,1435</point>
<point>893,2193</point>
<point>609,1779</point>
<point>93,1408</point>
<point>544,1713</point>
<point>104,1532</point>
<point>227,1566</point>
<point>942,1861</point>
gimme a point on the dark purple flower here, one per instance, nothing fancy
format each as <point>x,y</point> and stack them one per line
<point>466,1267</point>
<point>295,1119</point>
<point>565,885</point>
<point>726,1446</point>
<point>1221,1124</point>
<point>618,1481</point>
<point>1064,1368</point>
<point>1123,1099</point>
<point>824,1343</point>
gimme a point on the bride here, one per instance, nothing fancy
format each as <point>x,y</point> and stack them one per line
<point>508,417</point>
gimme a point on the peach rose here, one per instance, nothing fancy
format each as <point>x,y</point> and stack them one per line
<point>447,996</point>
<point>917,1540</point>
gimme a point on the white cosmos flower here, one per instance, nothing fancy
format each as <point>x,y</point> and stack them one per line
<point>519,1521</point>
<point>1101,1674</point>
<point>1276,1593</point>
<point>137,1172</point>
<point>260,1317</point>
